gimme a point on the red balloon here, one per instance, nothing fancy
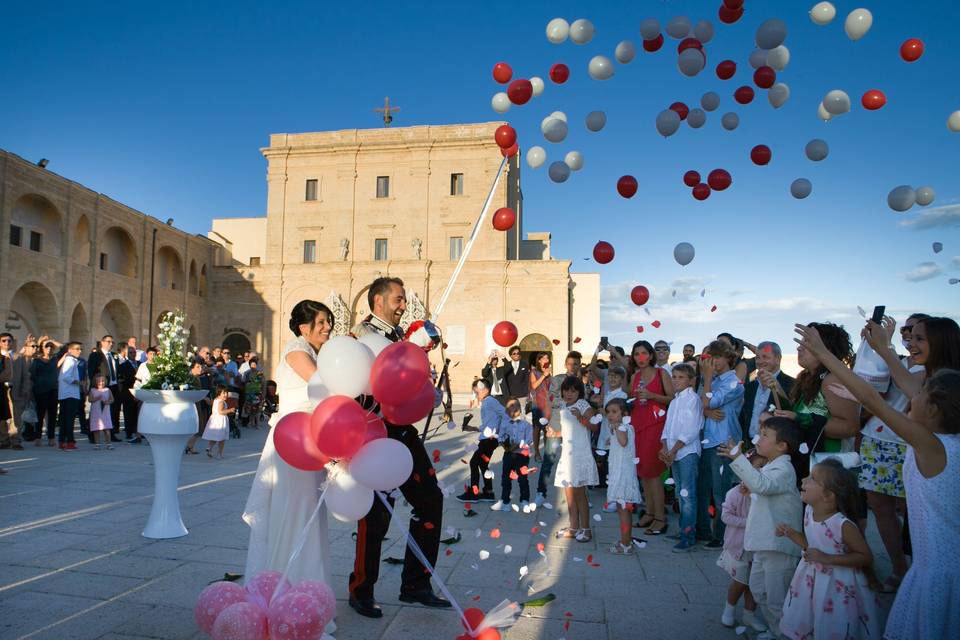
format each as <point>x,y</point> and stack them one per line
<point>691,178</point>
<point>726,69</point>
<point>339,425</point>
<point>764,77</point>
<point>474,617</point>
<point>681,109</point>
<point>640,294</point>
<point>873,99</point>
<point>505,135</point>
<point>761,154</point>
<point>412,408</point>
<point>502,72</point>
<point>719,179</point>
<point>627,186</point>
<point>733,4</point>
<point>504,218</point>
<point>510,151</point>
<point>559,73</point>
<point>520,91</point>
<point>689,43</point>
<point>504,333</point>
<point>911,49</point>
<point>603,252</point>
<point>701,191</point>
<point>295,442</point>
<point>375,429</point>
<point>653,45</point>
<point>743,95</point>
<point>728,15</point>
<point>398,372</point>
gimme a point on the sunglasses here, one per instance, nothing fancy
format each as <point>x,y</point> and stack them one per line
<point>904,330</point>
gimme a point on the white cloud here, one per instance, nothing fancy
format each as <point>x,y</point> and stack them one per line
<point>943,217</point>
<point>923,271</point>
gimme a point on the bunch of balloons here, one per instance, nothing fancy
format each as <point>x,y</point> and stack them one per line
<point>902,198</point>
<point>730,11</point>
<point>268,608</point>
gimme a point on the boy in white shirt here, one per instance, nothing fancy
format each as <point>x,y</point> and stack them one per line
<point>614,383</point>
<point>777,501</point>
<point>516,436</point>
<point>681,450</point>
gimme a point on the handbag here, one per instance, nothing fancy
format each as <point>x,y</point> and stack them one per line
<point>29,415</point>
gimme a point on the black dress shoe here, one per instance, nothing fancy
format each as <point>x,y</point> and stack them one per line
<point>368,608</point>
<point>426,597</point>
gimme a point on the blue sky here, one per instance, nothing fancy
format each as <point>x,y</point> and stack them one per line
<point>164,107</point>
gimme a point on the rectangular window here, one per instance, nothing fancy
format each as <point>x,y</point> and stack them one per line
<point>16,235</point>
<point>36,241</point>
<point>309,251</point>
<point>311,190</point>
<point>456,184</point>
<point>254,261</point>
<point>103,262</point>
<point>380,249</point>
<point>456,247</point>
<point>383,186</point>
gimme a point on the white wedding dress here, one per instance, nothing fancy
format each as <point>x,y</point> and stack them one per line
<point>283,498</point>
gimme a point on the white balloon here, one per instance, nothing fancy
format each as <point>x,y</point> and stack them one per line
<point>817,149</point>
<point>953,121</point>
<point>596,120</point>
<point>691,61</point>
<point>500,102</point>
<point>703,31</point>
<point>710,101</point>
<point>678,27</point>
<point>668,121</point>
<point>650,28</point>
<point>536,156</point>
<point>344,365</point>
<point>730,121</point>
<point>574,160</point>
<point>823,13</point>
<point>559,115</point>
<point>778,58</point>
<point>600,68</point>
<point>696,118</point>
<point>557,30</point>
<point>559,171</point>
<point>801,188</point>
<point>375,342</point>
<point>625,52</point>
<point>347,499</point>
<point>683,253</point>
<point>317,391</point>
<point>925,195</point>
<point>382,464</point>
<point>823,114</point>
<point>901,198</point>
<point>537,83</point>
<point>836,102</point>
<point>758,58</point>
<point>857,24</point>
<point>771,34</point>
<point>778,94</point>
<point>554,129</point>
<point>581,31</point>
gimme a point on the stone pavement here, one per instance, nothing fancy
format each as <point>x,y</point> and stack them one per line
<point>73,564</point>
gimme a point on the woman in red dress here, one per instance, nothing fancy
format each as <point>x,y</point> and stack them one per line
<point>652,391</point>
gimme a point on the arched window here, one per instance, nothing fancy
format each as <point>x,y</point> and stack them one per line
<point>81,241</point>
<point>118,253</point>
<point>35,225</point>
<point>193,284</point>
<point>169,269</point>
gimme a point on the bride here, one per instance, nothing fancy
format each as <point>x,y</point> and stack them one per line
<point>283,498</point>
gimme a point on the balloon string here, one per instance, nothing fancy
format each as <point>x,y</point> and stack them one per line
<point>301,540</point>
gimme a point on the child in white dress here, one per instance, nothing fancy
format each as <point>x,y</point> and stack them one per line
<point>623,487</point>
<point>576,469</point>
<point>218,424</point>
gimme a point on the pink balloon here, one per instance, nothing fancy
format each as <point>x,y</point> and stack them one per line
<point>398,372</point>
<point>322,593</point>
<point>375,429</point>
<point>340,426</point>
<point>296,443</point>
<point>241,621</point>
<point>296,616</point>
<point>415,407</point>
<point>213,600</point>
<point>261,587</point>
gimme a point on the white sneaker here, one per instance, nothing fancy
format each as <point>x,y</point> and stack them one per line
<point>727,618</point>
<point>499,506</point>
<point>750,619</point>
<point>610,507</point>
<point>547,506</point>
<point>525,506</point>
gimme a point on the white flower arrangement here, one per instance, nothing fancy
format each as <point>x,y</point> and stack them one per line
<point>170,369</point>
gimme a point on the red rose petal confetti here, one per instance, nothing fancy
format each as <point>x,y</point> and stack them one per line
<point>656,324</point>
<point>555,341</point>
<point>589,557</point>
<point>428,525</point>
<point>534,530</point>
<point>713,308</point>
<point>568,614</point>
<point>449,552</point>
<point>576,340</point>
<point>639,328</point>
<point>466,505</point>
<point>566,625</point>
<point>475,598</point>
<point>540,547</point>
<point>436,455</point>
<point>495,533</point>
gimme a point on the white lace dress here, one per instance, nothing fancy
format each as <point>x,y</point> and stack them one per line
<point>576,467</point>
<point>622,482</point>
<point>283,498</point>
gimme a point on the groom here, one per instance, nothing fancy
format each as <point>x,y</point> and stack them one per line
<point>388,301</point>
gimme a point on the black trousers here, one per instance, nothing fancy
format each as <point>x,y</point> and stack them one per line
<point>131,412</point>
<point>69,408</point>
<point>46,403</point>
<point>513,461</point>
<point>423,494</point>
<point>479,463</point>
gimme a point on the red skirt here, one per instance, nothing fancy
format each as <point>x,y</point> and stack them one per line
<point>647,430</point>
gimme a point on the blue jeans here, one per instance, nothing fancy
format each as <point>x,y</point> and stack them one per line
<point>714,478</point>
<point>550,454</point>
<point>685,475</point>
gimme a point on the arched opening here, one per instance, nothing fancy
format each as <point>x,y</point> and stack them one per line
<point>116,320</point>
<point>169,269</point>
<point>193,284</point>
<point>534,343</point>
<point>81,241</point>
<point>118,253</point>
<point>202,287</point>
<point>79,330</point>
<point>33,310</point>
<point>35,225</point>
<point>192,339</point>
<point>237,343</point>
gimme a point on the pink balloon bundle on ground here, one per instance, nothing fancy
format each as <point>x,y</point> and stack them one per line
<point>240,621</point>
<point>261,587</point>
<point>296,616</point>
<point>213,600</point>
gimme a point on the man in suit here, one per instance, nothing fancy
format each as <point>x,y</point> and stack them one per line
<point>127,376</point>
<point>759,393</point>
<point>103,362</point>
<point>512,378</point>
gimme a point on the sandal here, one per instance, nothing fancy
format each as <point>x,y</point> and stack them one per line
<point>646,521</point>
<point>620,549</point>
<point>567,533</point>
<point>651,531</point>
<point>584,535</point>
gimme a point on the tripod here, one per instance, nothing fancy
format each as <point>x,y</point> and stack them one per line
<point>443,385</point>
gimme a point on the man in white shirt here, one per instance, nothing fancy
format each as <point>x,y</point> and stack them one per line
<point>132,344</point>
<point>245,367</point>
<point>68,393</point>
<point>143,371</point>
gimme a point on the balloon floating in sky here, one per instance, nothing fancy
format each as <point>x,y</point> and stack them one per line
<point>691,62</point>
<point>771,34</point>
<point>554,128</point>
<point>816,150</point>
<point>823,114</point>
<point>701,191</point>
<point>758,58</point>
<point>650,28</point>
<point>668,121</point>
<point>505,333</point>
<point>719,179</point>
<point>537,84</point>
<point>639,295</point>
<point>500,102</point>
<point>625,52</point>
<point>937,247</point>
<point>557,30</point>
<point>603,252</point>
<point>710,101</point>
<point>683,253</point>
<point>764,77</point>
<point>600,68</point>
<point>502,72</point>
<point>726,69</point>
<point>743,95</point>
<point>836,102</point>
<point>778,58</point>
<point>778,95</point>
<point>901,198</point>
<point>925,195</point>
<point>911,49</point>
<point>873,100</point>
<point>696,118</point>
<point>505,135</point>
<point>536,156</point>
<point>574,160</point>
<point>681,109</point>
<point>559,171</point>
<point>703,31</point>
<point>761,154</point>
<point>857,24</point>
<point>559,73</point>
<point>730,121</point>
<point>581,31</point>
<point>954,280</point>
<point>520,91</point>
<point>688,43</point>
<point>596,120</point>
<point>504,218</point>
<point>823,13</point>
<point>653,45</point>
<point>679,27</point>
<point>801,188</point>
<point>627,186</point>
<point>953,121</point>
<point>691,178</point>
<point>728,15</point>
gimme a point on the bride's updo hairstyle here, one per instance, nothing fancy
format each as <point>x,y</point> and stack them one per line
<point>305,312</point>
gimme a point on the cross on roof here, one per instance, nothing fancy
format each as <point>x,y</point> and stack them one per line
<point>387,111</point>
